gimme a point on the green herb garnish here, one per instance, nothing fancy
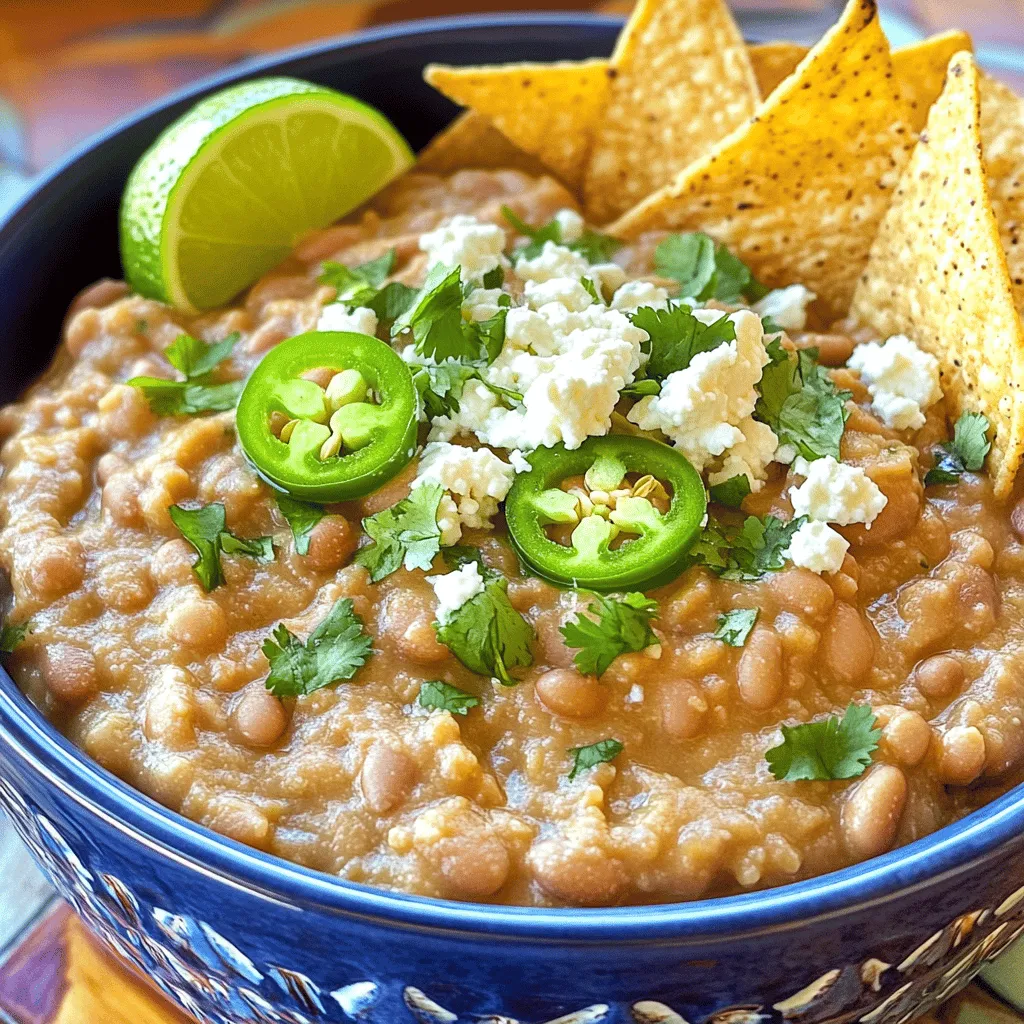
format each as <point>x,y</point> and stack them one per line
<point>407,533</point>
<point>488,635</point>
<point>12,636</point>
<point>198,392</point>
<point>592,755</point>
<point>442,696</point>
<point>301,516</point>
<point>829,749</point>
<point>676,336</point>
<point>334,652</point>
<point>731,492</point>
<point>706,270</point>
<point>746,553</point>
<point>205,528</point>
<point>734,627</point>
<point>966,452</point>
<point>622,625</point>
<point>593,246</point>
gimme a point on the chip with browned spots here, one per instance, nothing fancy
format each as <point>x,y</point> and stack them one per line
<point>938,273</point>
<point>471,140</point>
<point>681,80</point>
<point>547,110</point>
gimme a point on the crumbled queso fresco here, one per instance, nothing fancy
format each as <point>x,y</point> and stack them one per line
<point>570,348</point>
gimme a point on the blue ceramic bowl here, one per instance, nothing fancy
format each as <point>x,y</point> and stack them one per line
<point>234,935</point>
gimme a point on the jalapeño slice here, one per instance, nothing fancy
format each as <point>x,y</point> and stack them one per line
<point>652,542</point>
<point>333,442</point>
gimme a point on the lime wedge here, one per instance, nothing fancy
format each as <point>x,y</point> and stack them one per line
<point>227,190</point>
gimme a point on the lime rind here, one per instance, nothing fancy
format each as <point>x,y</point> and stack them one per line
<point>226,191</point>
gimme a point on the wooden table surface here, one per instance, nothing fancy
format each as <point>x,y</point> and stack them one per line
<point>69,68</point>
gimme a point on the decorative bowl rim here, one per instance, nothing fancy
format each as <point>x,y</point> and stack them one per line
<point>949,852</point>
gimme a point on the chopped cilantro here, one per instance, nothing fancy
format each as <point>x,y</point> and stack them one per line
<point>731,492</point>
<point>828,749</point>
<point>441,386</point>
<point>301,516</point>
<point>734,627</point>
<point>406,533</point>
<point>593,246</point>
<point>205,528</point>
<point>458,555</point>
<point>488,335</point>
<point>677,336</point>
<point>335,651</point>
<point>488,635</point>
<point>593,755</point>
<point>494,278</point>
<point>442,696</point>
<point>435,318</point>
<point>359,285</point>
<point>622,625</point>
<point>591,289</point>
<point>198,392</point>
<point>642,387</point>
<point>757,547</point>
<point>966,451</point>
<point>800,402</point>
<point>706,270</point>
<point>11,636</point>
<point>770,327</point>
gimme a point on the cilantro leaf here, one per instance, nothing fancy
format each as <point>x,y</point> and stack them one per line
<point>591,289</point>
<point>731,492</point>
<point>828,749</point>
<point>622,625</point>
<point>435,318</point>
<point>334,652</point>
<point>593,755</point>
<point>494,278</point>
<point>734,626</point>
<point>392,301</point>
<point>435,693</point>
<point>706,270</point>
<point>301,516</point>
<point>593,246</point>
<point>489,335</point>
<point>488,635</point>
<point>966,452</point>
<point>406,533</point>
<point>757,547</point>
<point>677,336</point>
<point>458,555</point>
<point>205,528</point>
<point>357,285</point>
<point>441,386</point>
<point>12,635</point>
<point>198,392</point>
<point>800,402</point>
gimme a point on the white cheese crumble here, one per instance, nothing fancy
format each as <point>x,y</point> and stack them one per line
<point>341,317</point>
<point>701,408</point>
<point>566,290</point>
<point>518,461</point>
<point>787,306</point>
<point>475,481</point>
<point>454,589</point>
<point>571,225</point>
<point>816,546</point>
<point>569,367</point>
<point>481,303</point>
<point>902,380</point>
<point>833,492</point>
<point>750,457</point>
<point>558,261</point>
<point>634,294</point>
<point>465,242</point>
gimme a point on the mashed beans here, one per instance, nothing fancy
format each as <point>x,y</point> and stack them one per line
<point>163,683</point>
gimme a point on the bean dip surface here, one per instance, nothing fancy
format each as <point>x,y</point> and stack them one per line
<point>163,682</point>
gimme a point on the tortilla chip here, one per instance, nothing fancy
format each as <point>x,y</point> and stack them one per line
<point>472,141</point>
<point>547,110</point>
<point>681,80</point>
<point>921,70</point>
<point>798,192</point>
<point>937,272</point>
<point>775,62</point>
<point>1002,142</point>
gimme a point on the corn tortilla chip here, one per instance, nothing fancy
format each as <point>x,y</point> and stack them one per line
<point>472,141</point>
<point>681,80</point>
<point>775,62</point>
<point>921,70</point>
<point>937,272</point>
<point>1002,142</point>
<point>547,110</point>
<point>798,192</point>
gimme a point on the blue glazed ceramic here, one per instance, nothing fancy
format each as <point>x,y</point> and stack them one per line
<point>233,935</point>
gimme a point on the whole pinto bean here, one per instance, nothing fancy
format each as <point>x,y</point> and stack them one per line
<point>847,646</point>
<point>759,675</point>
<point>387,777</point>
<point>872,812</point>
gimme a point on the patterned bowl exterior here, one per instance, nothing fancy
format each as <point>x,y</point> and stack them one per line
<point>234,936</point>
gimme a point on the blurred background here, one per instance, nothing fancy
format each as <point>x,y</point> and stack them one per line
<point>68,68</point>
